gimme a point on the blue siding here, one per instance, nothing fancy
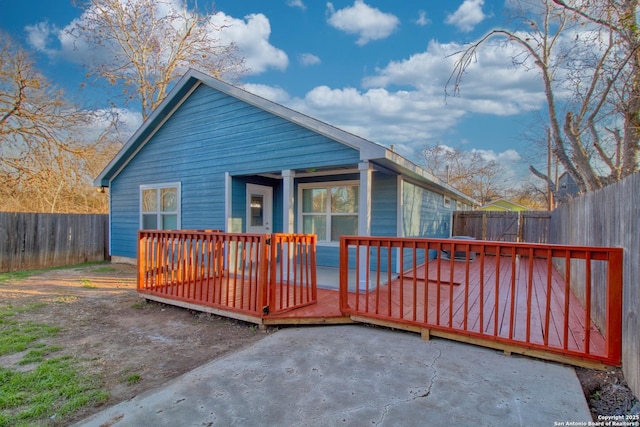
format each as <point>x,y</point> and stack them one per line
<point>424,215</point>
<point>384,205</point>
<point>210,134</point>
<point>384,215</point>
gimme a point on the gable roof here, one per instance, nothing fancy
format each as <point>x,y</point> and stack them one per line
<point>192,79</point>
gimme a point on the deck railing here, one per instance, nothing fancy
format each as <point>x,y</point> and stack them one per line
<point>234,272</point>
<point>292,276</point>
<point>506,293</point>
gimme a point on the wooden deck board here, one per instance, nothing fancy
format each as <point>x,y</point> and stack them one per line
<point>525,280</point>
<point>467,299</point>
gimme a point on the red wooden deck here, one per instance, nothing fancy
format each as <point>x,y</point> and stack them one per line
<point>510,297</point>
<point>475,303</point>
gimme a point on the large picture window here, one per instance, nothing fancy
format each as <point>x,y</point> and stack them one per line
<point>329,210</point>
<point>160,207</point>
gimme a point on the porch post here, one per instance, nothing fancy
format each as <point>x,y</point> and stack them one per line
<point>227,202</point>
<point>400,224</point>
<point>287,219</point>
<point>364,218</point>
<point>287,200</point>
<point>364,209</point>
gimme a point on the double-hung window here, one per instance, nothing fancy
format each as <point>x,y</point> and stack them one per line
<point>160,206</point>
<point>329,210</point>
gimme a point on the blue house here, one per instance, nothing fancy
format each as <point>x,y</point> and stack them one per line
<point>213,156</point>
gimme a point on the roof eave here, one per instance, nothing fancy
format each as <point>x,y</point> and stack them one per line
<point>416,171</point>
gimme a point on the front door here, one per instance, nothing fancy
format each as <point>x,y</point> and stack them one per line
<point>259,209</point>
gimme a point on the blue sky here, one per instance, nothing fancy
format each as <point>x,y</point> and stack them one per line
<point>373,67</point>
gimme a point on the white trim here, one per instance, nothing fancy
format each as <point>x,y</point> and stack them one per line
<point>400,218</point>
<point>288,200</point>
<point>400,207</point>
<point>227,202</point>
<point>364,210</point>
<point>109,226</point>
<point>329,172</point>
<point>364,219</point>
<point>177,185</point>
<point>267,193</point>
<point>324,184</point>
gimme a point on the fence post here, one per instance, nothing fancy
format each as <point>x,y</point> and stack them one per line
<point>142,259</point>
<point>520,227</point>
<point>484,226</point>
<point>614,306</point>
<point>266,253</point>
<point>344,273</point>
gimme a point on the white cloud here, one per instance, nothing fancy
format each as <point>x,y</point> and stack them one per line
<point>507,156</point>
<point>491,85</point>
<point>39,35</point>
<point>408,118</point>
<point>129,120</point>
<point>363,20</point>
<point>101,120</point>
<point>307,59</point>
<point>271,93</point>
<point>468,15</point>
<point>404,102</point>
<point>422,19</point>
<point>296,3</point>
<point>251,35</point>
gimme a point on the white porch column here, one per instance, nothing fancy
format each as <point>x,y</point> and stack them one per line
<point>364,209</point>
<point>227,203</point>
<point>400,213</point>
<point>364,218</point>
<point>287,200</point>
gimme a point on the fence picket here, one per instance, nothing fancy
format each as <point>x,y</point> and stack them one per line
<point>41,240</point>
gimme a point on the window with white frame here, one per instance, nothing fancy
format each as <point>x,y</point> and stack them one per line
<point>160,206</point>
<point>329,210</point>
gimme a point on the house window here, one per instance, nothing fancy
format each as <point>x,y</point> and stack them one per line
<point>160,206</point>
<point>330,210</point>
<point>447,202</point>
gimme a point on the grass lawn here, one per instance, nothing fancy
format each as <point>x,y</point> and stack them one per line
<point>44,385</point>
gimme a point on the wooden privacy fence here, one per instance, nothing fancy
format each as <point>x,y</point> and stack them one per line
<point>610,217</point>
<point>500,294</point>
<point>530,226</point>
<point>251,275</point>
<point>42,240</point>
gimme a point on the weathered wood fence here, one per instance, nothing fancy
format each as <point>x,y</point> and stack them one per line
<point>42,240</point>
<point>609,217</point>
<point>529,227</point>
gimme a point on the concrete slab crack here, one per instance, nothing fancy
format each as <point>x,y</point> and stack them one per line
<point>431,381</point>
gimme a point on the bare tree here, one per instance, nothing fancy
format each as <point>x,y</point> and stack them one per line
<point>529,195</point>
<point>589,62</point>
<point>467,171</point>
<point>44,155</point>
<point>145,45</point>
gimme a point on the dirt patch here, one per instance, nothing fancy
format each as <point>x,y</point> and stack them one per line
<point>607,393</point>
<point>133,345</point>
<point>130,344</point>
